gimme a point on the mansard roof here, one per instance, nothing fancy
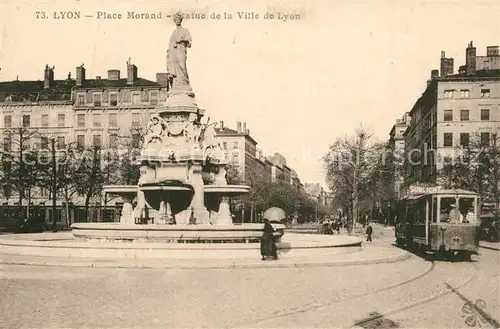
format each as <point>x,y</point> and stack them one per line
<point>60,90</point>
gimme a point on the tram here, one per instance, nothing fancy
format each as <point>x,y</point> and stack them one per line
<point>440,221</point>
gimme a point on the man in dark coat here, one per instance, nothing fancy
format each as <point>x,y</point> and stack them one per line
<point>369,231</point>
<point>267,242</point>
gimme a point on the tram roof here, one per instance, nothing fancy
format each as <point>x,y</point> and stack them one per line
<point>440,192</point>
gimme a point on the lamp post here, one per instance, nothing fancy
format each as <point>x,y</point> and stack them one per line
<point>54,184</point>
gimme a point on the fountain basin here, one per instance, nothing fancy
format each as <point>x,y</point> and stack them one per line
<point>204,233</point>
<point>128,194</point>
<point>62,244</point>
<point>120,189</point>
<point>164,188</point>
<point>226,190</point>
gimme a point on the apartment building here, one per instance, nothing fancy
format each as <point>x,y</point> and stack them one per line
<point>108,110</point>
<point>397,147</point>
<point>453,110</point>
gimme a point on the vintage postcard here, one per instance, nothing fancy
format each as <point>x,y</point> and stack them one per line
<point>249,164</point>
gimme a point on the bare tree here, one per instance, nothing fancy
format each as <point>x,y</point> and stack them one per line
<point>130,149</point>
<point>6,181</point>
<point>349,165</point>
<point>91,174</point>
<point>22,169</point>
<point>233,175</point>
<point>475,167</point>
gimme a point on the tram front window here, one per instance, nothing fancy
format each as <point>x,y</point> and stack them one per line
<point>448,211</point>
<point>466,206</point>
<point>453,213</point>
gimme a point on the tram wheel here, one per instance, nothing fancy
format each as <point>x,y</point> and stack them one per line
<point>454,256</point>
<point>466,256</point>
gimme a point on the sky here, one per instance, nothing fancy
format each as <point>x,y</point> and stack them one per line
<point>298,84</point>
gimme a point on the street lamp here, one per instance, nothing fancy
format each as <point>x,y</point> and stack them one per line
<point>54,184</point>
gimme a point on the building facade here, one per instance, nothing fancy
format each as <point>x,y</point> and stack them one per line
<point>317,193</point>
<point>113,111</point>
<point>280,172</point>
<point>397,147</point>
<point>109,113</point>
<point>453,110</point>
<point>73,112</point>
<point>240,150</point>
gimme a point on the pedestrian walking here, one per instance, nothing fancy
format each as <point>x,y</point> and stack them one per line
<point>267,242</point>
<point>369,231</point>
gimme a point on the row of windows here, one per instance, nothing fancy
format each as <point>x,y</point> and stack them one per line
<point>97,121</point>
<point>464,115</point>
<point>61,120</point>
<point>111,99</point>
<point>464,93</point>
<point>235,145</point>
<point>485,138</point>
<point>60,143</point>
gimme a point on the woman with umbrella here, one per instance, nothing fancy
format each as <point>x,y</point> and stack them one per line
<point>267,242</point>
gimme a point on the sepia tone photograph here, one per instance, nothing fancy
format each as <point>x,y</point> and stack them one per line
<point>239,164</point>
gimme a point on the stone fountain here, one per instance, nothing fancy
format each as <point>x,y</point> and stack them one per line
<point>182,194</point>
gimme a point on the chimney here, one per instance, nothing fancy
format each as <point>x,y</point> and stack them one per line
<point>80,75</point>
<point>244,127</point>
<point>48,76</point>
<point>221,124</point>
<point>248,131</point>
<point>162,79</point>
<point>446,65</point>
<point>114,75</point>
<point>434,74</point>
<point>69,75</point>
<point>238,127</point>
<point>470,58</point>
<point>131,72</point>
<point>492,51</point>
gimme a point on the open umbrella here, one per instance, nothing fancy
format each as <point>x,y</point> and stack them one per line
<point>274,214</point>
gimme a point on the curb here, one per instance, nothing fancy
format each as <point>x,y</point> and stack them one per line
<point>96,264</point>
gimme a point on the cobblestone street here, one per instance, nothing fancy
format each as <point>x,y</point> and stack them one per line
<point>410,293</point>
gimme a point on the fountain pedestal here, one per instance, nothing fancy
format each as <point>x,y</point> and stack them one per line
<point>201,213</point>
<point>224,215</point>
<point>221,194</point>
<point>127,216</point>
<point>127,193</point>
<point>178,150</point>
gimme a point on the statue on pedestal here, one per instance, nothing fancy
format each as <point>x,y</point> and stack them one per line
<point>180,40</point>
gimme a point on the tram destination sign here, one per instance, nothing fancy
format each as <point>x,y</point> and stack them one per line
<point>423,189</point>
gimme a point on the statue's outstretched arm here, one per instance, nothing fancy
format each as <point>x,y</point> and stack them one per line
<point>188,40</point>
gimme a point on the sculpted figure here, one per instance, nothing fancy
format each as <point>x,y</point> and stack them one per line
<point>180,40</point>
<point>192,133</point>
<point>154,131</point>
<point>209,136</point>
